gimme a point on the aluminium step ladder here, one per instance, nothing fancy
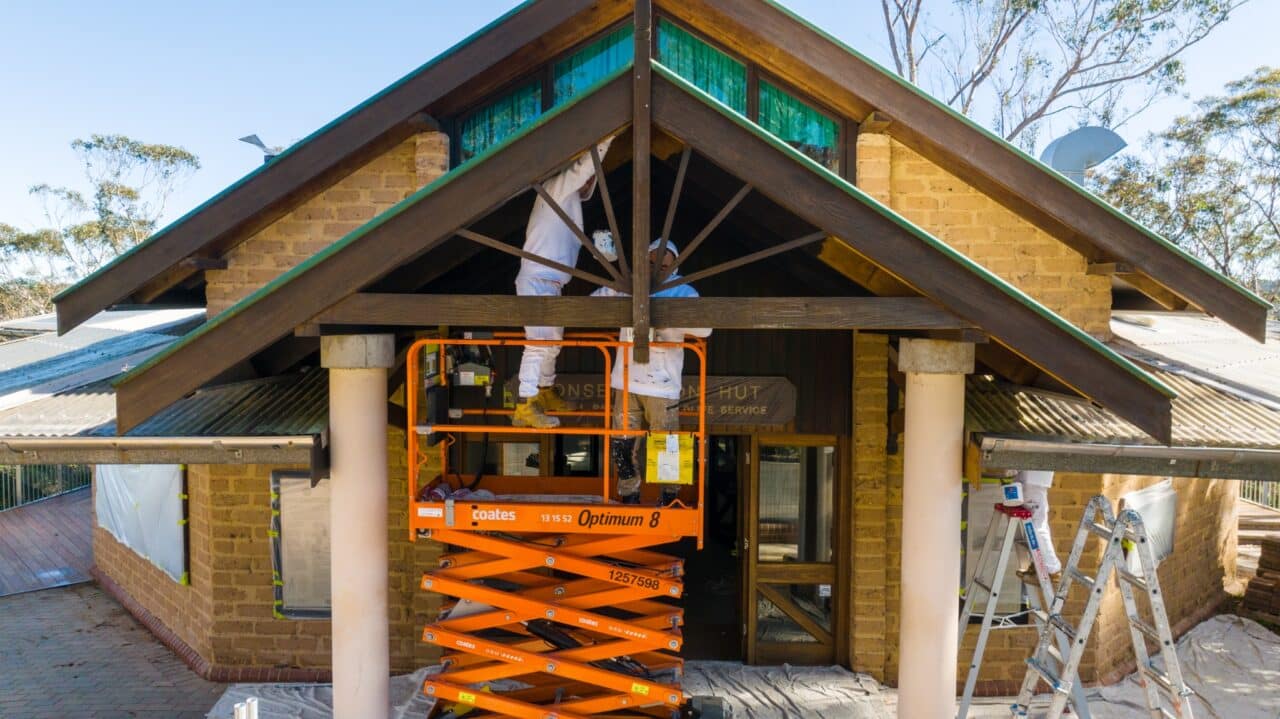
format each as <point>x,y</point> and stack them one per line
<point>1012,529</point>
<point>1100,521</point>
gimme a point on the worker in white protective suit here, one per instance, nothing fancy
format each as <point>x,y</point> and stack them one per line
<point>654,386</point>
<point>548,236</point>
<point>1035,496</point>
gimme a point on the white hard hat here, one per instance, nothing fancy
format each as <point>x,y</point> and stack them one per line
<point>653,246</point>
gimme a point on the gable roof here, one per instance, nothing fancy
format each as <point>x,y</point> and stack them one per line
<point>796,50</point>
<point>832,204</point>
<point>274,188</point>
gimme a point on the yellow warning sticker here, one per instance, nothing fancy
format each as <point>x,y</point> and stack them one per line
<point>466,697</point>
<point>639,689</point>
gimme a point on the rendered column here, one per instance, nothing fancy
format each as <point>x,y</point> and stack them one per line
<point>932,470</point>
<point>358,367</point>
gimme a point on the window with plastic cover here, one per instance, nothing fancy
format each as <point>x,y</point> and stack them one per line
<point>592,63</point>
<point>499,119</point>
<point>705,67</point>
<point>799,125</point>
<point>300,545</point>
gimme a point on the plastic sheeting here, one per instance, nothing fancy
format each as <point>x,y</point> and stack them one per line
<point>301,544</point>
<point>141,505</point>
<point>315,701</point>
<point>1158,507</point>
<point>786,691</point>
<point>1233,664</point>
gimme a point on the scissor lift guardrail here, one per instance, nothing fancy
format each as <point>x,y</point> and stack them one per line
<point>565,598</point>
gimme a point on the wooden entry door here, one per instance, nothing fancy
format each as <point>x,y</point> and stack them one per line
<point>793,601</point>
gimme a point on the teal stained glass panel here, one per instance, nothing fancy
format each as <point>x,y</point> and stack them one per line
<point>800,126</point>
<point>710,70</point>
<point>499,119</point>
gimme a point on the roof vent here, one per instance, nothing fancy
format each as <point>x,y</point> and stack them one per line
<point>1078,150</point>
<point>268,153</point>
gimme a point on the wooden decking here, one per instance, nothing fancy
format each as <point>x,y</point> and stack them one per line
<point>46,544</point>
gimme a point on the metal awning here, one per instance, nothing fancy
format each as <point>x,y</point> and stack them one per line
<point>1217,434</point>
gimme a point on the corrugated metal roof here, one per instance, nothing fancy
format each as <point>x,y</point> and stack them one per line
<point>1203,416</point>
<point>82,411</point>
<point>34,361</point>
<point>288,406</point>
<point>291,405</point>
<point>1204,345</point>
<point>140,320</point>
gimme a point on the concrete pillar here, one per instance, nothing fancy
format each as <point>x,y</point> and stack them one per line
<point>932,470</point>
<point>358,522</point>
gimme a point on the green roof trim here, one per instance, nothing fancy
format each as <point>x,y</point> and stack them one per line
<point>369,226</point>
<point>294,147</point>
<point>917,231</point>
<point>1116,212</point>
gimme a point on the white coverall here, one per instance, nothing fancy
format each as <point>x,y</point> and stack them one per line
<point>1035,494</point>
<point>661,378</point>
<point>548,236</point>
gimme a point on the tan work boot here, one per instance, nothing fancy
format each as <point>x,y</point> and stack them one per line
<point>551,400</point>
<point>529,413</point>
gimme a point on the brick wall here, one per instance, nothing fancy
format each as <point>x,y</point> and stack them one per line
<point>984,231</point>
<point>327,217</point>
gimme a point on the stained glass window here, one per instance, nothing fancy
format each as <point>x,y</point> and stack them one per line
<point>499,119</point>
<point>584,68</point>
<point>799,125</point>
<point>712,71</point>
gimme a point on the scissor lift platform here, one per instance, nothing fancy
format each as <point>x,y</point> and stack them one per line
<point>554,608</point>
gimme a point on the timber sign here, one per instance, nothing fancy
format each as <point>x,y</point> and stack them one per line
<point>731,400</point>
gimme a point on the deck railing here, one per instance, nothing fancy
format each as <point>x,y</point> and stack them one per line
<point>23,484</point>
<point>1261,492</point>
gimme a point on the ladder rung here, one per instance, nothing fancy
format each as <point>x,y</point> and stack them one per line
<point>1100,530</point>
<point>1081,578</point>
<point>1053,651</point>
<point>1063,626</point>
<point>1148,630</point>
<point>979,584</point>
<point>1047,675</point>
<point>1133,579</point>
<point>1029,578</point>
<point>1161,680</point>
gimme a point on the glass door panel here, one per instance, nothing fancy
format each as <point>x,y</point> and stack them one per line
<point>790,558</point>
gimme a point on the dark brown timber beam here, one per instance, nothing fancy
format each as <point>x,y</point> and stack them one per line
<point>818,200</point>
<point>764,32</point>
<point>641,129</point>
<point>409,230</point>
<point>339,148</point>
<point>790,313</point>
<point>177,275</point>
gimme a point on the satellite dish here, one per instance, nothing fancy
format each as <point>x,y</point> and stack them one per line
<point>1078,150</point>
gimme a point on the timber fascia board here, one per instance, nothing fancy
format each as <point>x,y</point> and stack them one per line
<point>956,283</point>
<point>410,228</point>
<point>276,184</point>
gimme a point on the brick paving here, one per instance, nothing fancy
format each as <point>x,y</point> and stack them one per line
<point>73,652</point>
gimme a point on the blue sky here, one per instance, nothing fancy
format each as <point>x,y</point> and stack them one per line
<point>201,75</point>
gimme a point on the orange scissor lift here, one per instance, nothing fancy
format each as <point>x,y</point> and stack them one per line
<point>566,598</point>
